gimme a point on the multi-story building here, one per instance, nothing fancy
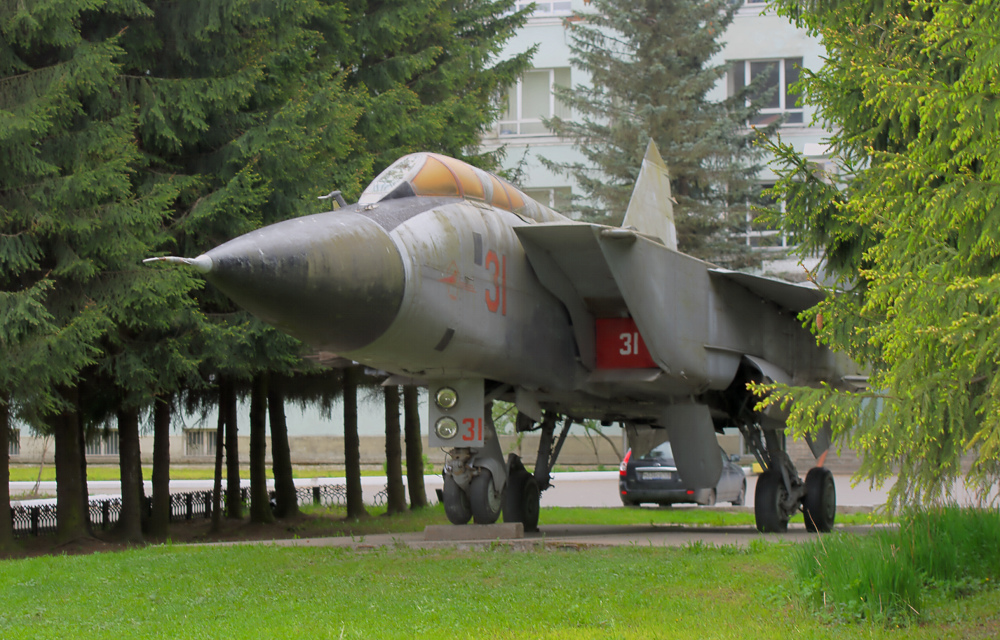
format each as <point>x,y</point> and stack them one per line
<point>757,42</point>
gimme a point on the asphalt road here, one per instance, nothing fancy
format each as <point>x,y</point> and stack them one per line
<point>570,489</point>
<point>575,489</point>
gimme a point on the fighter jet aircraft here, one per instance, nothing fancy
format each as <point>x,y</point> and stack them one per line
<point>446,275</point>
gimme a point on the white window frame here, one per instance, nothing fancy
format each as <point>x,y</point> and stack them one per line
<point>548,8</point>
<point>549,199</point>
<point>782,108</point>
<point>757,235</point>
<point>205,446</point>
<point>514,127</point>
<point>105,445</point>
<point>14,442</point>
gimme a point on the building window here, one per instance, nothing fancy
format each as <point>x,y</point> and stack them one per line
<point>776,95</point>
<point>561,8</point>
<point>557,198</point>
<point>104,445</point>
<point>531,99</point>
<point>14,442</point>
<point>759,234</point>
<point>198,442</point>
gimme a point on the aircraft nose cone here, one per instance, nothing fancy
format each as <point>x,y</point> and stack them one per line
<point>333,280</point>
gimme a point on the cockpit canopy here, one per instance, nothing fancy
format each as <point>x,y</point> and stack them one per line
<point>431,174</point>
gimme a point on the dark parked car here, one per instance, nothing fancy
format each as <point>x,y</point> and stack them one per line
<point>654,478</point>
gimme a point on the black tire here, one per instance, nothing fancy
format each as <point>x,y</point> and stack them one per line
<point>521,499</point>
<point>741,497</point>
<point>456,502</point>
<point>530,504</point>
<point>486,504</point>
<point>820,503</point>
<point>768,497</point>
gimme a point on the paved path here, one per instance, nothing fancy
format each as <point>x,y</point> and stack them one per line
<point>564,536</point>
<point>570,489</point>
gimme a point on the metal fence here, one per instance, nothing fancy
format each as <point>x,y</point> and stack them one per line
<point>38,520</point>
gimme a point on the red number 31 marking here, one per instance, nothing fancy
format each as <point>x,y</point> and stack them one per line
<point>473,429</point>
<point>496,299</point>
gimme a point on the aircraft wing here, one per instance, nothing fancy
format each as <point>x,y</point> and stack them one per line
<point>691,315</point>
<point>791,296</point>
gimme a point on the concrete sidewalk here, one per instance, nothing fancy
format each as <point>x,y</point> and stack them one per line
<point>567,536</point>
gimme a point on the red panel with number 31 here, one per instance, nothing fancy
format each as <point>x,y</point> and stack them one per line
<point>619,345</point>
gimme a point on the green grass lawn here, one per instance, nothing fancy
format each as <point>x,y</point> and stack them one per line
<point>265,591</point>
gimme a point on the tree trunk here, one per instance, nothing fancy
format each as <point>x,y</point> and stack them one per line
<point>260,504</point>
<point>72,500</point>
<point>281,458</point>
<point>414,449</point>
<point>159,522</point>
<point>352,445</point>
<point>220,442</point>
<point>227,406</point>
<point>6,527</point>
<point>396,492</point>
<point>130,465</point>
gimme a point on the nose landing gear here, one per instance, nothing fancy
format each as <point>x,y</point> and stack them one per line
<point>471,488</point>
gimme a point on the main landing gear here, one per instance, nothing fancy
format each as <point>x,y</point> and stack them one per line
<point>781,492</point>
<point>471,486</point>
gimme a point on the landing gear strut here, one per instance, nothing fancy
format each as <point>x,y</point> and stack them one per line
<point>470,478</point>
<point>475,480</point>
<point>781,492</point>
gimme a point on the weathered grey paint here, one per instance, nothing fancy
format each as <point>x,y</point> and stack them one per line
<point>449,290</point>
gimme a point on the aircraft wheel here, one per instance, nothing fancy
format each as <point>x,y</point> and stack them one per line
<point>456,502</point>
<point>820,503</point>
<point>768,512</point>
<point>521,500</point>
<point>741,497</point>
<point>484,499</point>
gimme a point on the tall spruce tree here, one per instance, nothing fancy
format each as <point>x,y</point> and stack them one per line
<point>650,63</point>
<point>6,524</point>
<point>72,221</point>
<point>414,448</point>
<point>431,72</point>
<point>395,501</point>
<point>239,109</point>
<point>910,225</point>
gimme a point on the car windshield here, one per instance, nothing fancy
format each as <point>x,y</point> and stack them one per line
<point>661,452</point>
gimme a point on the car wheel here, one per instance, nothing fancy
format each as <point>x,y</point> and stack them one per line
<point>710,500</point>
<point>741,497</point>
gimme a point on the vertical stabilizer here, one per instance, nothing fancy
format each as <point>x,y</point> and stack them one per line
<point>651,209</point>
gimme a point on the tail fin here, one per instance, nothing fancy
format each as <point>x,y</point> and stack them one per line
<point>651,209</point>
